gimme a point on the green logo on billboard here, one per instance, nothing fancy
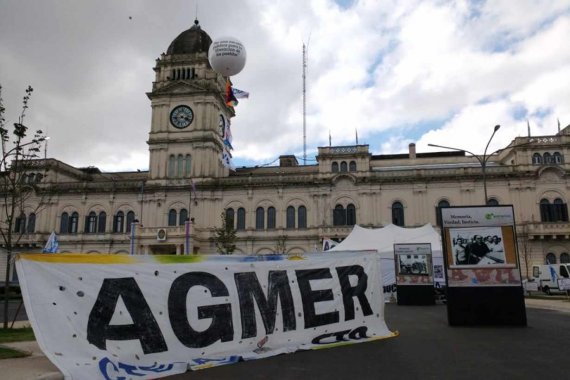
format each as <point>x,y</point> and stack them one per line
<point>489,215</point>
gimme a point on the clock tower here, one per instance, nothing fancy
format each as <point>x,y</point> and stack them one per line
<point>188,112</point>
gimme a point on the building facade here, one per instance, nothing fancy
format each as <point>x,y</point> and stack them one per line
<point>174,207</point>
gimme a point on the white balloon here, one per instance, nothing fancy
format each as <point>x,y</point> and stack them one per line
<point>227,56</point>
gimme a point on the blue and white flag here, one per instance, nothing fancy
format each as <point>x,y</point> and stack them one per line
<point>239,94</point>
<point>52,245</point>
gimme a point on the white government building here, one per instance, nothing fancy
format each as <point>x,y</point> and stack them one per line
<point>289,208</point>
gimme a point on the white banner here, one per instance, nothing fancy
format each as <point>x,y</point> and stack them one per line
<point>145,317</point>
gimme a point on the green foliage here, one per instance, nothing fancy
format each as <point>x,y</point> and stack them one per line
<point>24,334</point>
<point>225,236</point>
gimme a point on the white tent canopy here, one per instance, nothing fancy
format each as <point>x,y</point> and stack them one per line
<point>383,240</point>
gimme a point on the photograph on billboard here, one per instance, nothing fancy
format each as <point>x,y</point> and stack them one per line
<point>477,246</point>
<point>409,264</point>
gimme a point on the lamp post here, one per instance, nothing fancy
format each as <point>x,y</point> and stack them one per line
<point>134,224</point>
<point>482,159</point>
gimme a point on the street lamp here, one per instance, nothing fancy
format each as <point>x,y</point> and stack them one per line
<point>482,159</point>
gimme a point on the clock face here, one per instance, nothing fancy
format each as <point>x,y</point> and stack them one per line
<point>222,126</point>
<point>181,116</point>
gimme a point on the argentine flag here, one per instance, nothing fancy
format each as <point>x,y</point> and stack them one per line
<point>52,245</point>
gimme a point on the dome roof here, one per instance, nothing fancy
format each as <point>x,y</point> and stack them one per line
<point>191,41</point>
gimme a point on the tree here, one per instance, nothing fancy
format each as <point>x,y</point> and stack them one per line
<point>16,187</point>
<point>225,236</point>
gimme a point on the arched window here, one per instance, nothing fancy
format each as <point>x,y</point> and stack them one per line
<point>350,215</point>
<point>172,217</point>
<point>171,166</point>
<point>241,219</point>
<point>130,220</point>
<point>64,223</point>
<point>290,222</point>
<point>556,157</point>
<point>398,214</point>
<point>492,202</point>
<point>536,159</point>
<point>443,203</point>
<point>91,223</point>
<point>31,178</point>
<point>74,222</point>
<point>550,258</point>
<point>180,166</point>
<point>183,216</point>
<point>102,222</point>
<point>271,218</point>
<point>31,223</point>
<point>352,166</point>
<point>188,165</point>
<point>20,224</point>
<point>343,166</point>
<point>564,258</point>
<point>230,217</point>
<point>259,218</point>
<point>546,214</point>
<point>560,210</point>
<point>547,158</point>
<point>335,167</point>
<point>302,217</point>
<point>339,216</point>
<point>119,222</point>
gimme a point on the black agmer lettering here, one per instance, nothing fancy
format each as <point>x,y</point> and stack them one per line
<point>249,289</point>
<point>221,315</point>
<point>144,326</point>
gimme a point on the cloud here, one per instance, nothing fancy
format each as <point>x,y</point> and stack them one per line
<point>388,69</point>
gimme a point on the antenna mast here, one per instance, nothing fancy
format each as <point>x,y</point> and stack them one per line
<point>304,106</point>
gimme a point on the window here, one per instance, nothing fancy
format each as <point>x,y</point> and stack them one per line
<point>352,166</point>
<point>183,216</point>
<point>39,176</point>
<point>119,221</point>
<point>556,157</point>
<point>302,217</point>
<point>188,164</point>
<point>398,214</point>
<point>536,159</point>
<point>31,223</point>
<point>230,217</point>
<point>564,271</point>
<point>180,165</point>
<point>73,222</point>
<point>259,218</point>
<point>344,217</point>
<point>492,202</point>
<point>241,218</point>
<point>343,167</point>
<point>271,218</point>
<point>290,222</point>
<point>350,215</point>
<point>91,223</point>
<point>550,258</point>
<point>20,224</point>
<point>440,205</point>
<point>547,158</point>
<point>555,212</point>
<point>130,220</point>
<point>171,166</point>
<point>172,217</point>
<point>102,222</point>
<point>64,222</point>
<point>339,216</point>
<point>335,167</point>
<point>564,258</point>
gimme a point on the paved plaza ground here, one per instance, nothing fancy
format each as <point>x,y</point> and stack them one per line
<point>427,348</point>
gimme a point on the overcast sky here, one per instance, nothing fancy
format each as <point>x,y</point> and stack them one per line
<point>395,71</point>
